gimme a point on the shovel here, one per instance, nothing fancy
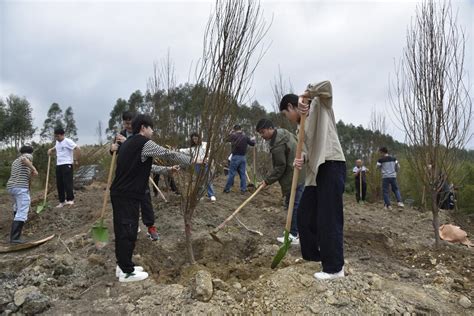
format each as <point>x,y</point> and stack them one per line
<point>40,208</point>
<point>100,233</point>
<point>287,242</point>
<point>158,189</point>
<point>218,228</point>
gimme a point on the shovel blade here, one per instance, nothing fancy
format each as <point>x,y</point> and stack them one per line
<point>282,251</point>
<point>214,236</point>
<point>40,208</point>
<point>100,234</point>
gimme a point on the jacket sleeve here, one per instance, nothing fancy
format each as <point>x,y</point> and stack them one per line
<point>279,164</point>
<point>151,149</point>
<point>322,90</point>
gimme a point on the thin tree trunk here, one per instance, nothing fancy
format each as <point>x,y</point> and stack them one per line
<point>189,242</point>
<point>435,211</point>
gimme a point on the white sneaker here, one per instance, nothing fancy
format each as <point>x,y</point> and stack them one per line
<point>400,204</point>
<point>329,276</point>
<point>69,203</point>
<point>387,208</point>
<point>133,277</point>
<point>213,198</point>
<point>295,240</point>
<point>119,272</point>
<point>59,205</point>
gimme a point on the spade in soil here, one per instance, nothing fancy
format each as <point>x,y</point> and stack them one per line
<point>100,233</point>
<point>287,242</point>
<point>40,208</point>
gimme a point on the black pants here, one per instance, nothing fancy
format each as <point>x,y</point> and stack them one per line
<point>171,184</point>
<point>126,213</point>
<point>146,207</point>
<point>64,183</point>
<point>364,190</point>
<point>321,219</point>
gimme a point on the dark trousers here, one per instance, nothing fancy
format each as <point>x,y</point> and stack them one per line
<point>64,182</point>
<point>321,219</point>
<point>364,190</point>
<point>126,213</point>
<point>146,207</point>
<point>171,184</point>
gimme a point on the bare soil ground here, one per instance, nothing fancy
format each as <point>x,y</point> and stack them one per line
<point>391,264</point>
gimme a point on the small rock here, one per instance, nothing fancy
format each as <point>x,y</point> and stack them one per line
<point>306,280</point>
<point>389,242</point>
<point>220,285</point>
<point>96,259</point>
<point>464,302</point>
<point>129,308</point>
<point>203,286</point>
<point>31,300</point>
<point>237,285</point>
<point>21,295</point>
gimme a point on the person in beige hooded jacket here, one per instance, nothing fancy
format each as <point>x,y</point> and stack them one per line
<point>320,213</point>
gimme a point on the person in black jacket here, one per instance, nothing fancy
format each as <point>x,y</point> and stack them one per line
<point>239,141</point>
<point>146,206</point>
<point>128,190</point>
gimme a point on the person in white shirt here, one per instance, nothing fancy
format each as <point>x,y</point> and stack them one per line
<point>197,151</point>
<point>67,154</point>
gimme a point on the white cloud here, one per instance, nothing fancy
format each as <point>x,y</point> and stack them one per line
<point>86,54</point>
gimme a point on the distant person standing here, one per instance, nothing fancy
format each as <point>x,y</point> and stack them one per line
<point>18,186</point>
<point>360,172</point>
<point>197,151</point>
<point>239,142</point>
<point>389,167</point>
<point>67,154</point>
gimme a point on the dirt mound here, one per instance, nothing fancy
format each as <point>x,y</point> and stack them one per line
<point>390,263</point>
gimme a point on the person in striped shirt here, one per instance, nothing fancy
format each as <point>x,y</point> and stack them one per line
<point>128,190</point>
<point>18,186</point>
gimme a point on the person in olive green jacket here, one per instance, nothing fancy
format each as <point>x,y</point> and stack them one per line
<point>283,149</point>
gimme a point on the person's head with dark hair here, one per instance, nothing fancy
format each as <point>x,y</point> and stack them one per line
<point>26,149</point>
<point>195,139</point>
<point>383,150</point>
<point>59,131</point>
<point>265,128</point>
<point>59,134</point>
<point>289,106</point>
<point>143,124</point>
<point>237,127</point>
<point>127,118</point>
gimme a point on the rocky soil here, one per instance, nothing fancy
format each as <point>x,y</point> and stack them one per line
<point>391,265</point>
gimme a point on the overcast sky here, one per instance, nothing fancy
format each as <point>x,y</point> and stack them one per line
<point>87,54</point>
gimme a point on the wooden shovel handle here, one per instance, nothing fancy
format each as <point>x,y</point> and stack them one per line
<point>296,173</point>
<point>238,209</point>
<point>109,181</point>
<point>158,189</point>
<point>47,179</point>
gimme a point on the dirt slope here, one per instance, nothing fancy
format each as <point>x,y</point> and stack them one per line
<point>390,263</point>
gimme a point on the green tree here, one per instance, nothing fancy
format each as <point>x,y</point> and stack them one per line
<point>70,129</point>
<point>3,119</point>
<point>53,120</point>
<point>19,120</point>
<point>115,120</point>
